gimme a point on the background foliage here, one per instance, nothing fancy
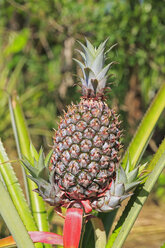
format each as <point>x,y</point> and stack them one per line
<point>37,42</point>
<point>37,45</point>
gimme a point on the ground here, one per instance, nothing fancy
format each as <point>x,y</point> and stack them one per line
<point>149,228</point>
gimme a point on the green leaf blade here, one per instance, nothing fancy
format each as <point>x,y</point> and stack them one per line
<point>13,220</point>
<point>137,201</point>
<point>145,130</point>
<point>12,185</point>
<point>36,202</point>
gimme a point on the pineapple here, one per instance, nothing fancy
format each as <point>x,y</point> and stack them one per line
<point>85,171</point>
<point>86,144</point>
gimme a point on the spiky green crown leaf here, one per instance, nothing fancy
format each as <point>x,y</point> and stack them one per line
<point>38,169</point>
<point>126,180</point>
<point>93,68</point>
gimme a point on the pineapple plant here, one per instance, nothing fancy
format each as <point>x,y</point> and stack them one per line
<point>84,174</point>
<point>85,171</point>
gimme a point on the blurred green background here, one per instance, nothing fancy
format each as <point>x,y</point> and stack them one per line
<point>37,44</point>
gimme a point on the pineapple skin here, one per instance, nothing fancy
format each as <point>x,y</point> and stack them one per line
<point>86,148</point>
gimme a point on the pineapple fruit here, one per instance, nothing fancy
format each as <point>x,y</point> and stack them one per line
<point>85,171</point>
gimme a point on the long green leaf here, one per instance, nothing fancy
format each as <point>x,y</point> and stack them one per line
<point>18,148</point>
<point>13,220</point>
<point>99,232</point>
<point>145,129</point>
<point>21,127</point>
<point>12,185</point>
<point>137,201</point>
<point>36,202</point>
<point>88,237</point>
<point>108,219</point>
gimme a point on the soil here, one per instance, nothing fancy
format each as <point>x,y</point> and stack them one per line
<point>149,228</point>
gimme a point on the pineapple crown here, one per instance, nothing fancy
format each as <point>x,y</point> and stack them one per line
<point>94,72</point>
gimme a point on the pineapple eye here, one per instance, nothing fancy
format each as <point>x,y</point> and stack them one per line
<point>60,147</point>
<point>81,125</point>
<point>84,179</point>
<point>63,132</point>
<point>59,168</point>
<point>103,132</point>
<point>95,124</point>
<point>93,168</point>
<point>97,141</point>
<point>83,160</point>
<point>73,167</point>
<point>96,112</point>
<point>67,142</point>
<point>104,161</point>
<point>106,148</point>
<point>95,154</point>
<point>68,180</point>
<point>86,145</point>
<point>70,129</point>
<point>105,120</point>
<point>87,116</point>
<point>77,137</point>
<point>65,157</point>
<point>89,133</point>
<point>74,151</point>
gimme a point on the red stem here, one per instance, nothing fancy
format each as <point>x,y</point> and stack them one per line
<point>72,227</point>
<point>72,232</point>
